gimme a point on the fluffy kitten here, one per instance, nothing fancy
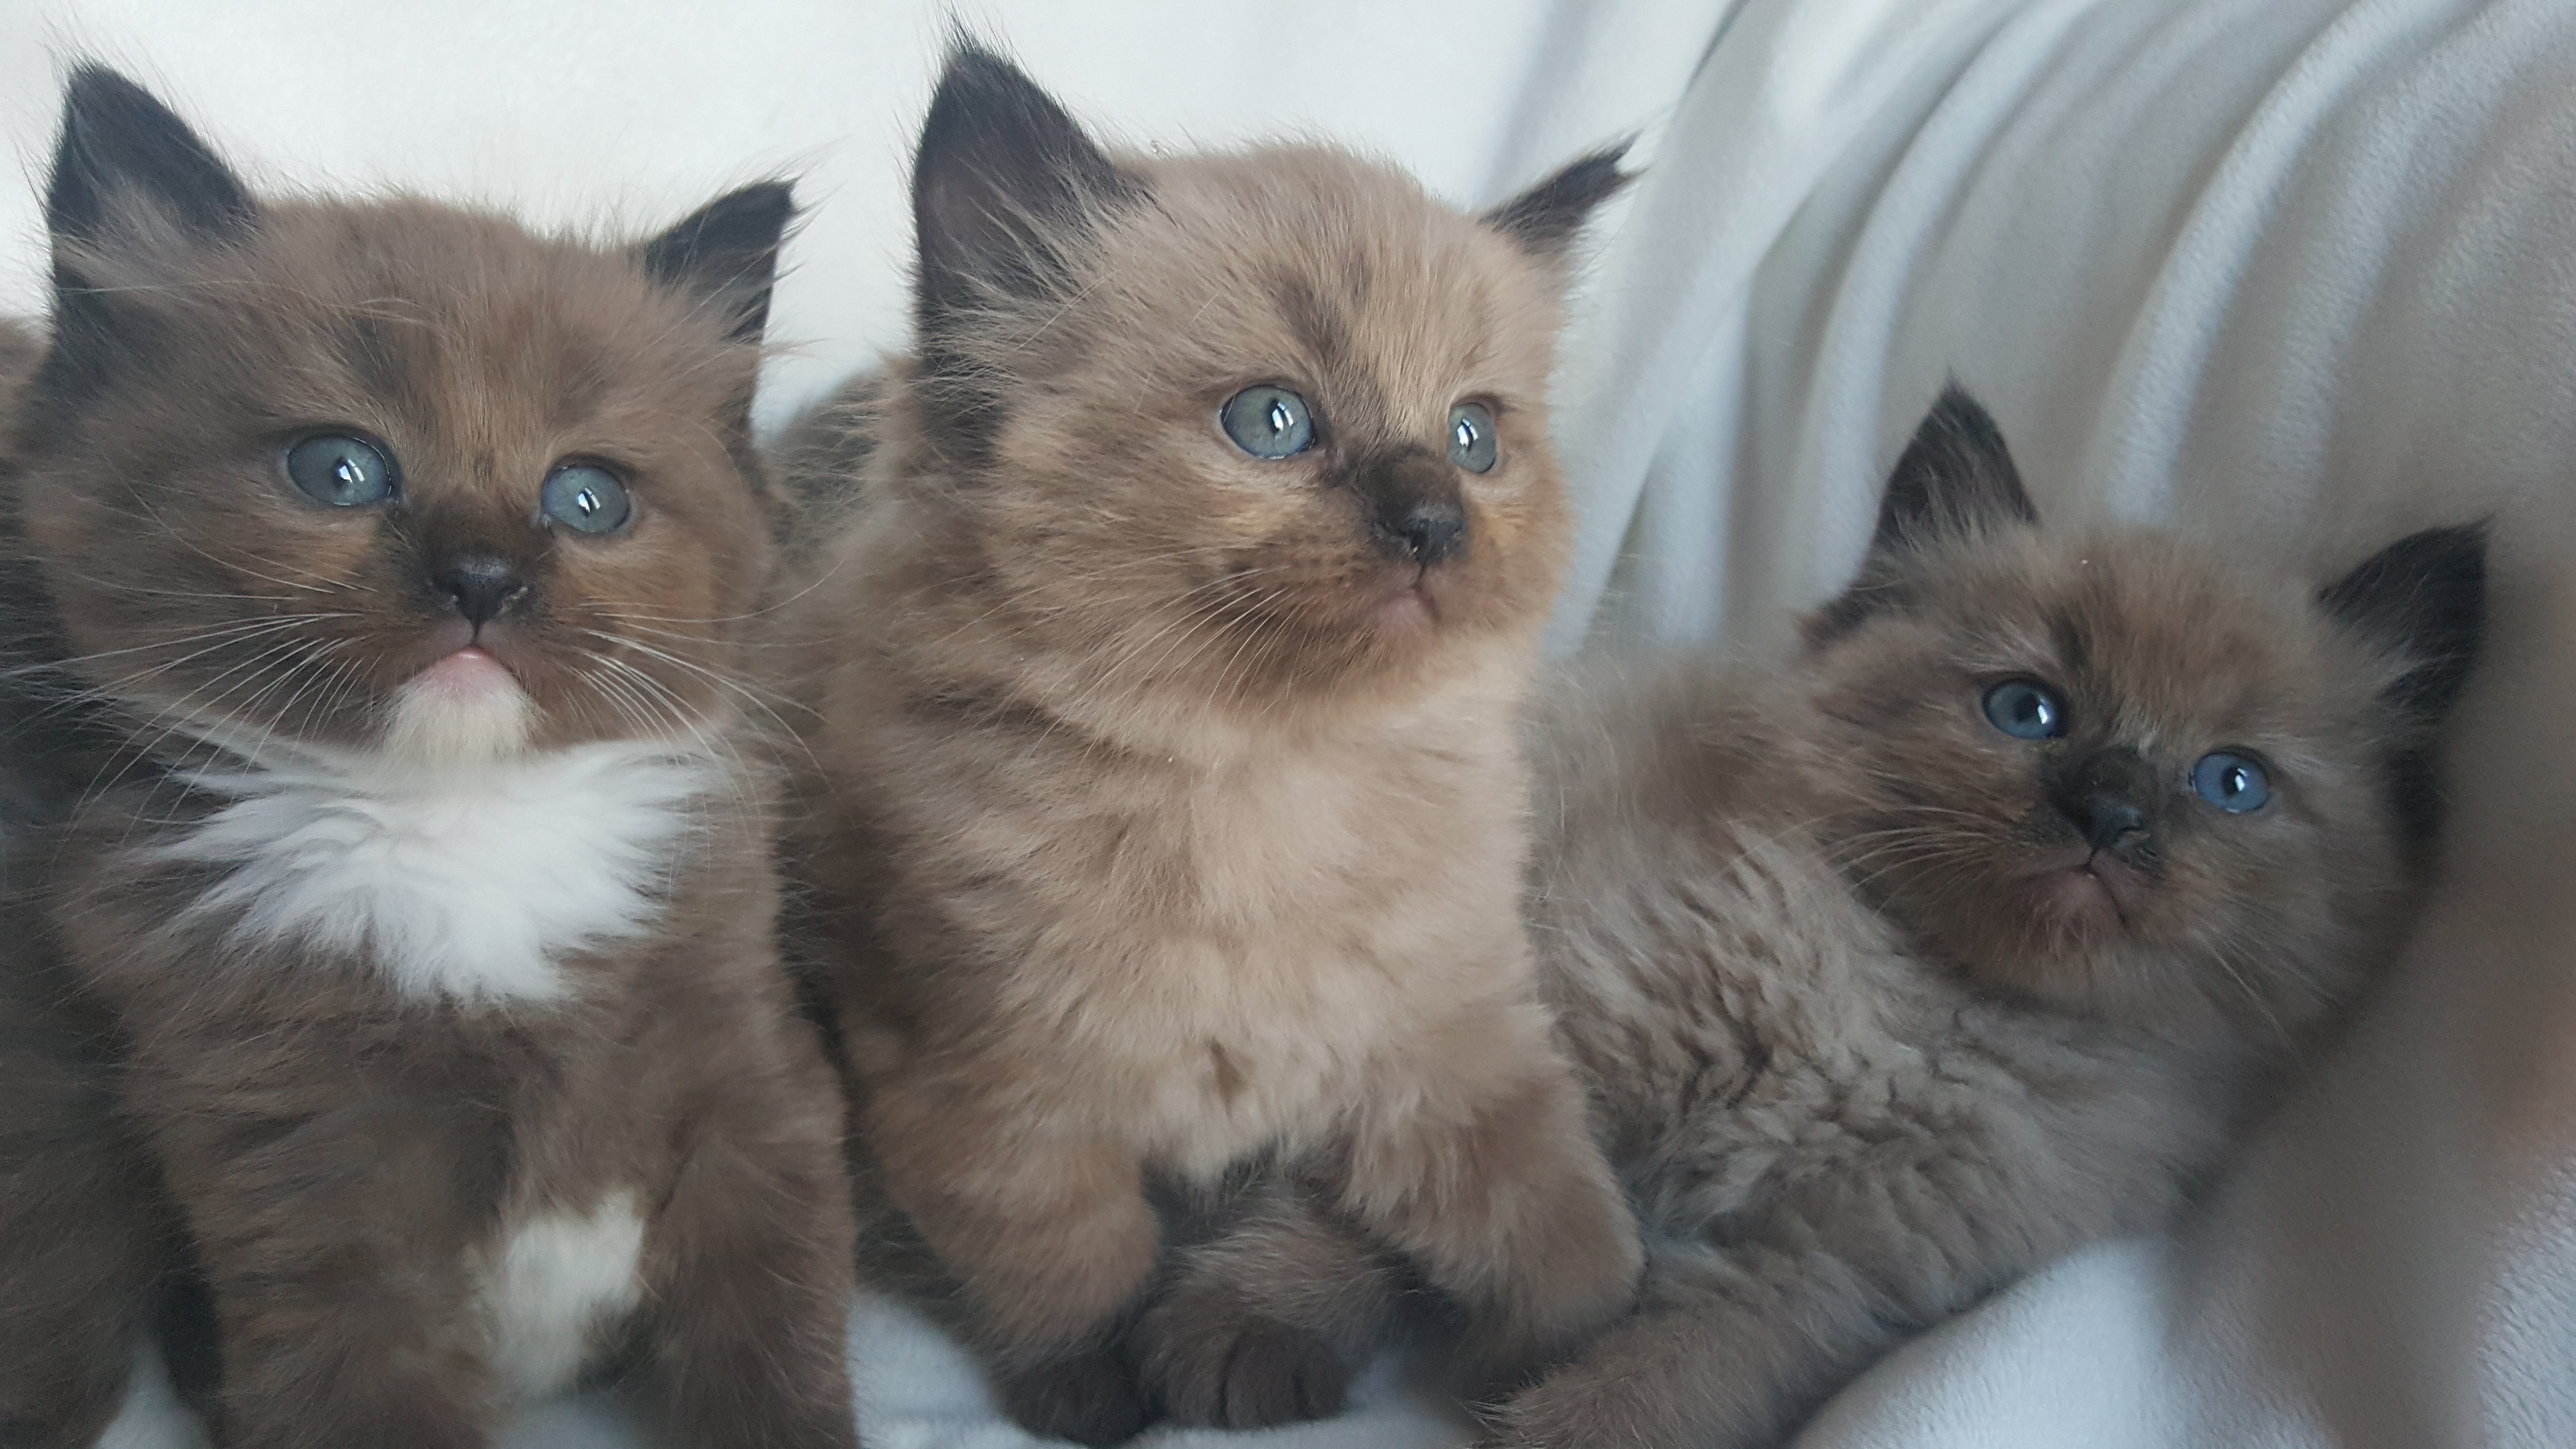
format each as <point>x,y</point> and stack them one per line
<point>1961,941</point>
<point>88,1244</point>
<point>1172,811</point>
<point>402,562</point>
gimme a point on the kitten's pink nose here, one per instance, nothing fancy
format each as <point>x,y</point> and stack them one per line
<point>480,585</point>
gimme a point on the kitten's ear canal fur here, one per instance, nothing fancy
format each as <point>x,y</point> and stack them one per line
<point>727,253</point>
<point>2424,599</point>
<point>126,159</point>
<point>1004,179</point>
<point>1006,186</point>
<point>129,179</point>
<point>1546,219</point>
<point>1954,478</point>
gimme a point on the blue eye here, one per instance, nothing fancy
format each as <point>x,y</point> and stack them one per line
<point>1268,422</point>
<point>585,498</point>
<point>1471,437</point>
<point>342,471</point>
<point>2233,783</point>
<point>2025,711</point>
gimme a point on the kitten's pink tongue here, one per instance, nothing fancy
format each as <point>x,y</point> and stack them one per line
<point>468,671</point>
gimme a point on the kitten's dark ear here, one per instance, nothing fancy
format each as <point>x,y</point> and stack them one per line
<point>130,181</point>
<point>126,160</point>
<point>1547,218</point>
<point>727,252</point>
<point>1005,187</point>
<point>1955,477</point>
<point>2423,597</point>
<point>1005,178</point>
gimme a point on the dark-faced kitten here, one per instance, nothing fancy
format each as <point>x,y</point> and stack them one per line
<point>1165,681</point>
<point>1964,939</point>
<point>402,561</point>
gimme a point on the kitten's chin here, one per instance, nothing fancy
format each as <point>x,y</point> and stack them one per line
<point>466,709</point>
<point>1408,613</point>
<point>2082,900</point>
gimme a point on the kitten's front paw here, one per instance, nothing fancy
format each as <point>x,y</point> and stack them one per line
<point>1219,1366</point>
<point>1652,1384</point>
<point>1090,1398</point>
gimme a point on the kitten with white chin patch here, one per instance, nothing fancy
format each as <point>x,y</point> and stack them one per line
<point>391,568</point>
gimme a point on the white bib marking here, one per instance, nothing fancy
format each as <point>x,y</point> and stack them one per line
<point>463,881</point>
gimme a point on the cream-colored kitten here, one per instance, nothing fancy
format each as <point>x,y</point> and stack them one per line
<point>1170,811</point>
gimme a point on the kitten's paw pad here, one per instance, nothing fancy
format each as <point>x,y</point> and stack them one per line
<point>1252,1374</point>
<point>1092,1398</point>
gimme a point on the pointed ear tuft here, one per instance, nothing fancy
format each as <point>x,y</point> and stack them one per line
<point>2424,598</point>
<point>727,252</point>
<point>1547,218</point>
<point>1003,179</point>
<point>122,148</point>
<point>1956,476</point>
<point>130,180</point>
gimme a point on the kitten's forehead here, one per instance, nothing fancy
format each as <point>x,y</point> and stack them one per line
<point>1326,269</point>
<point>2177,643</point>
<point>406,314</point>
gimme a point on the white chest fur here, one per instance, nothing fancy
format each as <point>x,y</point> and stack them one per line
<point>464,882</point>
<point>557,1286</point>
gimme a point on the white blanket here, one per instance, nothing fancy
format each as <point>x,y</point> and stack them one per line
<point>2296,274</point>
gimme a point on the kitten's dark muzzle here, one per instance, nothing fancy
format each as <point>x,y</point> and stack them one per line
<point>477,585</point>
<point>2109,797</point>
<point>1412,505</point>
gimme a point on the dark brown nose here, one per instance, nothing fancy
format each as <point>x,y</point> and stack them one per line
<point>2107,820</point>
<point>1415,511</point>
<point>2107,798</point>
<point>1431,531</point>
<point>480,585</point>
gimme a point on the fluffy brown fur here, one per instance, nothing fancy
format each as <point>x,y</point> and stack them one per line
<point>1881,1006</point>
<point>86,1240</point>
<point>424,881</point>
<point>1173,809</point>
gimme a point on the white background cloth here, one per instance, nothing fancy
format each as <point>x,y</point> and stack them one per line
<point>2298,275</point>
